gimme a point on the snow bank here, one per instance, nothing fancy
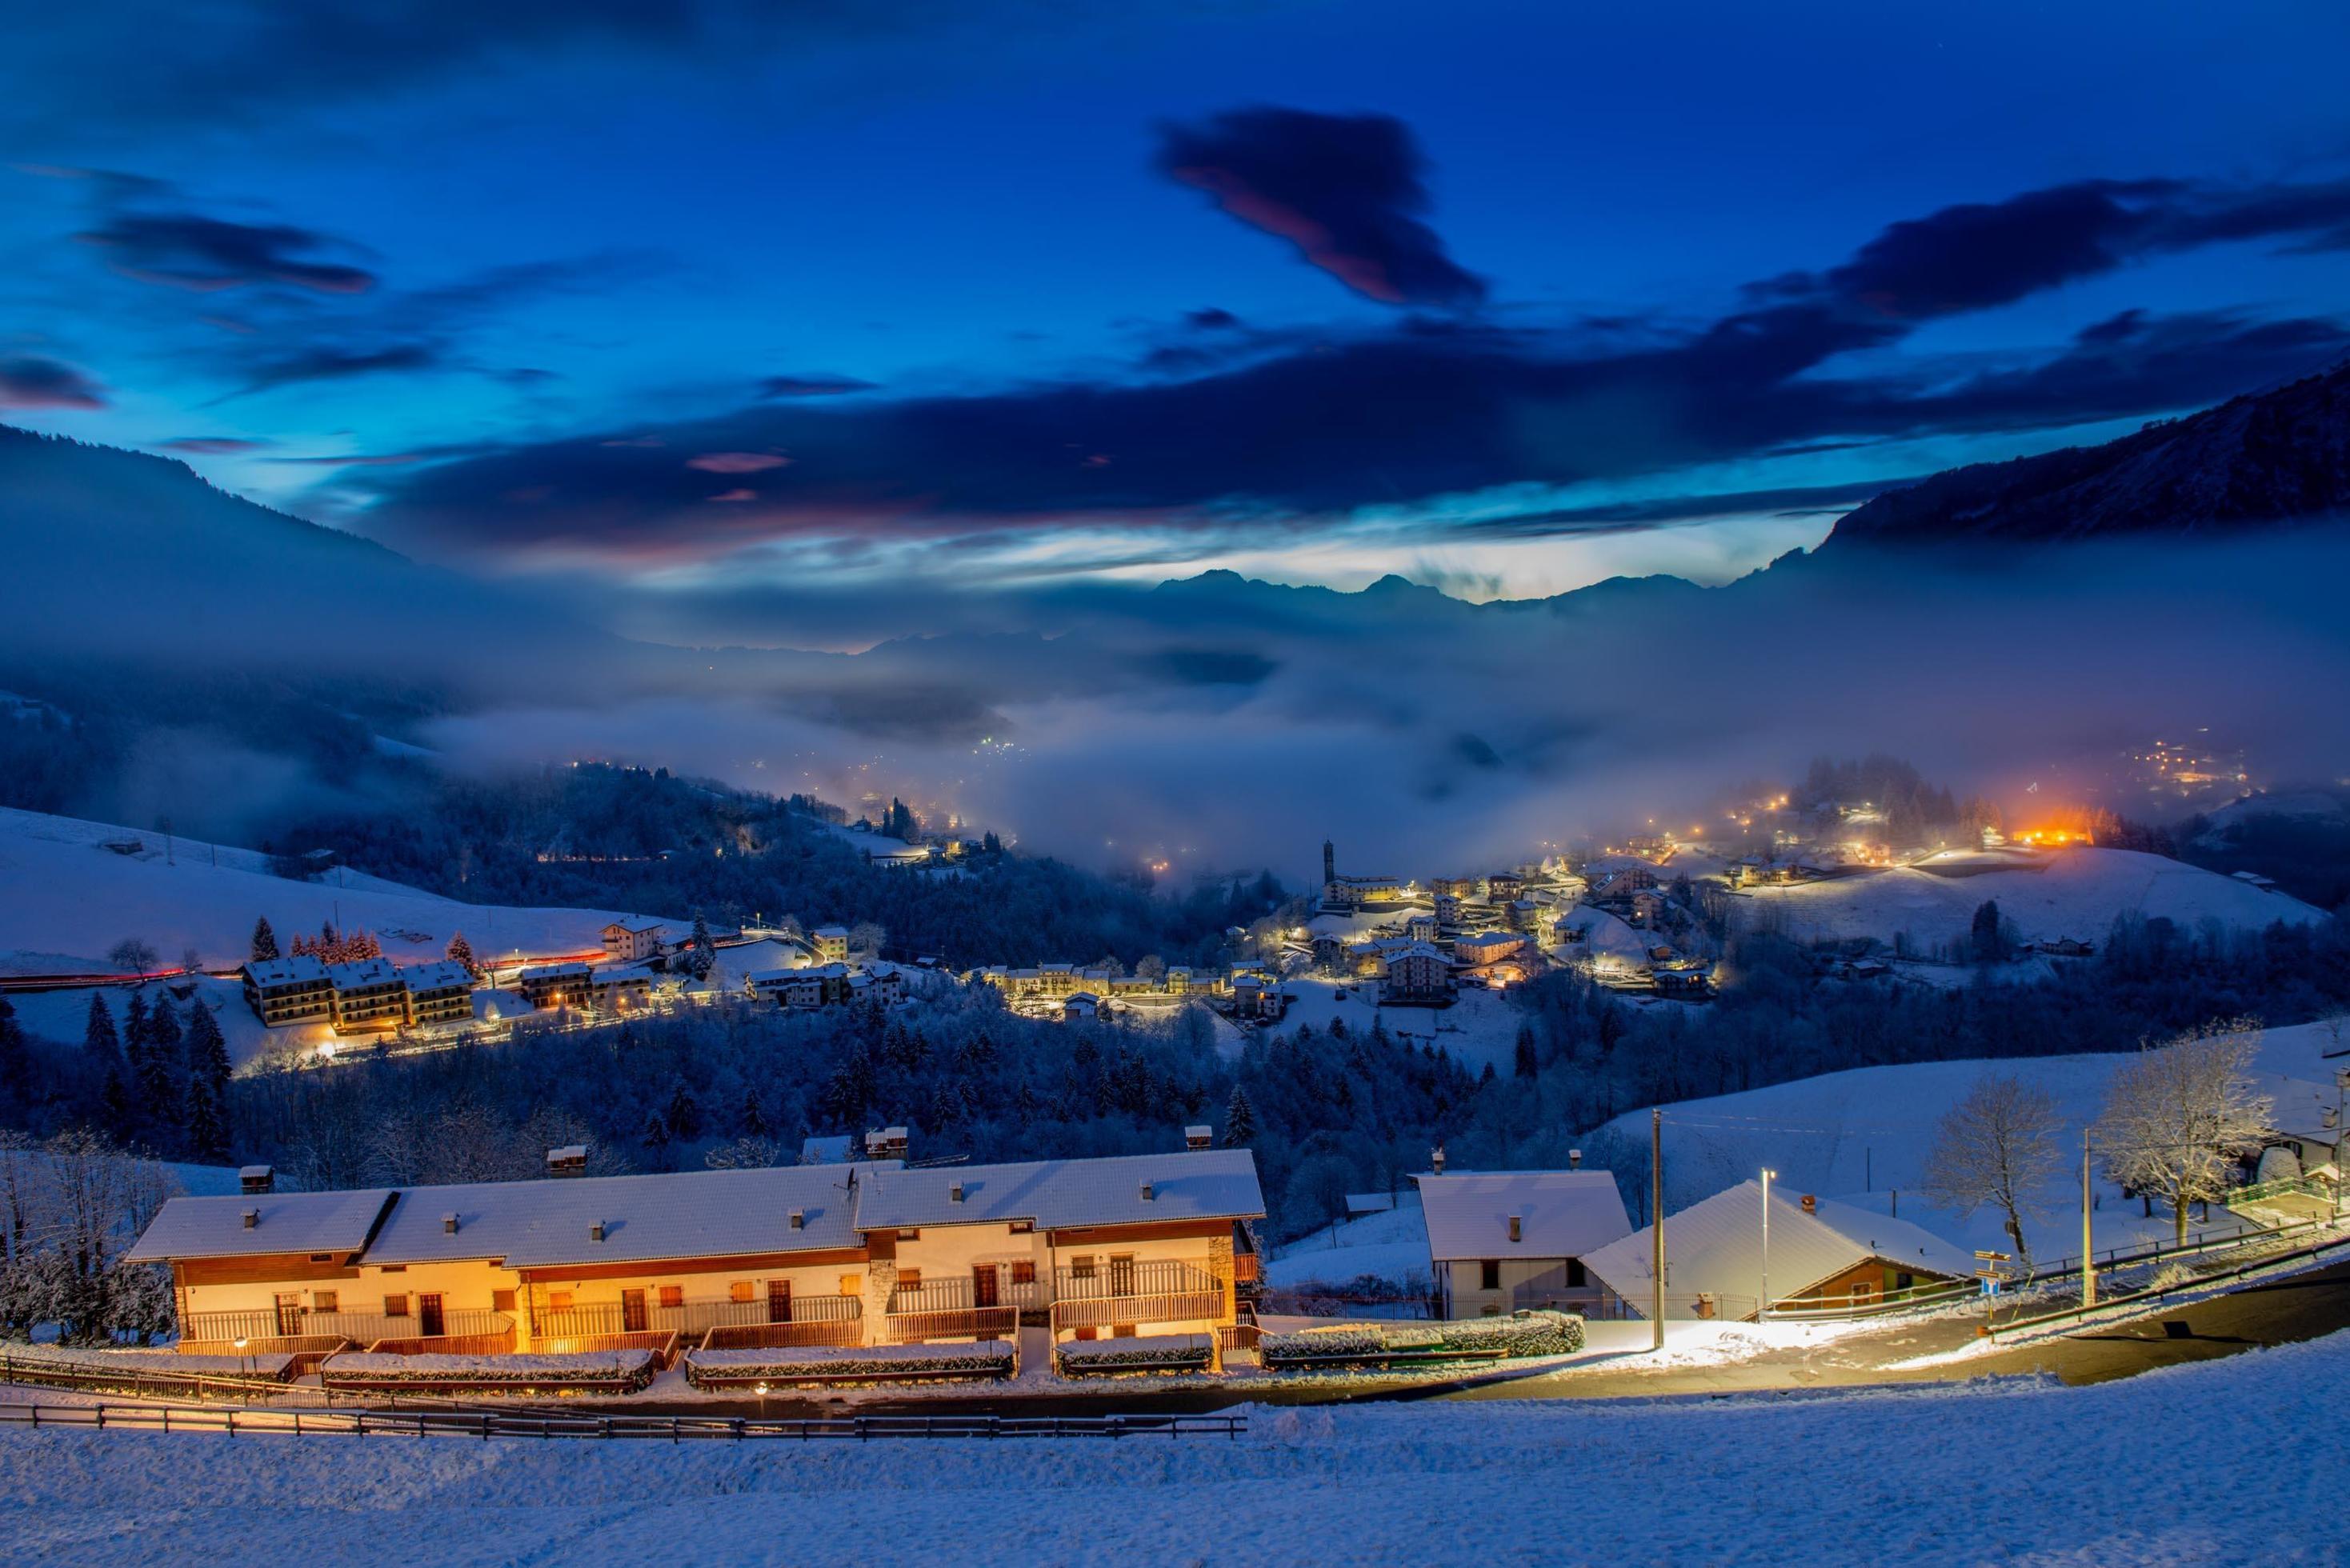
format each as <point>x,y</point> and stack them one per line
<point>2018,1472</point>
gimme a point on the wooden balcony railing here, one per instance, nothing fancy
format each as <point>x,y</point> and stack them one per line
<point>786,1335</point>
<point>951,1323</point>
<point>691,1320</point>
<point>963,1295</point>
<point>1153,1290</point>
<point>360,1327</point>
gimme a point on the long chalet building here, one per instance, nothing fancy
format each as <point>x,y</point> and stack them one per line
<point>868,1252</point>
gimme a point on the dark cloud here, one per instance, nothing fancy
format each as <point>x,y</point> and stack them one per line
<point>213,446</point>
<point>30,381</point>
<point>325,362</point>
<point>1258,429</point>
<point>1346,190</point>
<point>188,250</point>
<point>1212,319</point>
<point>137,63</point>
<point>815,386</point>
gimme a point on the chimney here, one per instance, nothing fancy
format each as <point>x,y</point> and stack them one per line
<point>1574,1159</point>
<point>955,1191</point>
<point>1517,1229</point>
<point>257,1180</point>
<point>449,1224</point>
<point>1811,1204</point>
<point>596,1230</point>
<point>1147,1193</point>
<point>2330,1118</point>
<point>251,1217</point>
<point>1436,1159</point>
<point>1196,1137</point>
<point>571,1159</point>
<point>799,1219</point>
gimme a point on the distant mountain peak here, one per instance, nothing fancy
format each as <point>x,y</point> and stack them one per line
<point>2277,456</point>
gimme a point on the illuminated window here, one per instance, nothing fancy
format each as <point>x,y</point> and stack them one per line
<point>852,1284</point>
<point>559,1301</point>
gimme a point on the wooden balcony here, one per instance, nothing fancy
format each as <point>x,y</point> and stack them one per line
<point>359,1327</point>
<point>694,1320</point>
<point>1152,1289</point>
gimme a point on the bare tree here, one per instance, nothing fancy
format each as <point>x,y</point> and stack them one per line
<point>2181,1113</point>
<point>131,954</point>
<point>866,938</point>
<point>1996,1147</point>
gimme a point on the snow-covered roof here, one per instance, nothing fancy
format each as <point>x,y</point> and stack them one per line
<point>1561,1213</point>
<point>285,971</point>
<point>555,972</point>
<point>1717,1246</point>
<point>442,976</point>
<point>362,972</point>
<point>684,1214</point>
<point>635,927</point>
<point>831,932</point>
<point>284,1222</point>
<point>1058,1194</point>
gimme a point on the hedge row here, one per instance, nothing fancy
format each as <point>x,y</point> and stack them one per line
<point>1156,1352</point>
<point>1522,1334</point>
<point>811,1363</point>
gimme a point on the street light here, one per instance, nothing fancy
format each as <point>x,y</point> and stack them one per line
<point>242,1365</point>
<point>1762,1308</point>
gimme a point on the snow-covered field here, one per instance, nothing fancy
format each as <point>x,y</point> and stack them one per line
<point>1858,1136</point>
<point>1481,1027</point>
<point>1391,1246</point>
<point>2048,894</point>
<point>66,899</point>
<point>2207,1463</point>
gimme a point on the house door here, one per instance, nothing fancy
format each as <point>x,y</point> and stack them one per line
<point>429,1323</point>
<point>1121,1275</point>
<point>779,1301</point>
<point>632,1311</point>
<point>983,1286</point>
<point>289,1312</point>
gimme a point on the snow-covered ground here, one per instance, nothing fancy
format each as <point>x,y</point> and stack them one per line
<point>1481,1027</point>
<point>66,899</point>
<point>1861,1136</point>
<point>2025,1473</point>
<point>2048,894</point>
<point>1392,1246</point>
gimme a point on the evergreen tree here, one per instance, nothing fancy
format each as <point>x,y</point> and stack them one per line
<point>685,1114</point>
<point>460,951</point>
<point>207,1052</point>
<point>15,1064</point>
<point>264,941</point>
<point>1526,1064</point>
<point>154,1068</point>
<point>207,1132</point>
<point>752,1119</point>
<point>701,953</point>
<point>656,1136</point>
<point>1240,1119</point>
<point>1984,935</point>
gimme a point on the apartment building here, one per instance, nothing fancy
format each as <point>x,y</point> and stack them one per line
<point>868,1252</point>
<point>289,991</point>
<point>369,994</point>
<point>632,941</point>
<point>439,993</point>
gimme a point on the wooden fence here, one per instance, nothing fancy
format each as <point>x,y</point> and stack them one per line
<point>487,1424</point>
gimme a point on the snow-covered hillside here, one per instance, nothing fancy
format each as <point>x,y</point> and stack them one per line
<point>65,899</point>
<point>2195,1464</point>
<point>1861,1136</point>
<point>2048,895</point>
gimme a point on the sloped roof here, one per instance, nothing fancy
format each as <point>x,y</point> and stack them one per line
<point>1717,1246</point>
<point>287,1223</point>
<point>1059,1194</point>
<point>438,976</point>
<point>1562,1213</point>
<point>686,1214</point>
<point>293,971</point>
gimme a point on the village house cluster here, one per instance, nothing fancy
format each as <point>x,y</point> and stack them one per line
<point>871,1251</point>
<point>1506,1241</point>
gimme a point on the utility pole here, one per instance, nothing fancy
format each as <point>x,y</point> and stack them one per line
<point>1657,1224</point>
<point>2088,1255</point>
<point>1763,1306</point>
